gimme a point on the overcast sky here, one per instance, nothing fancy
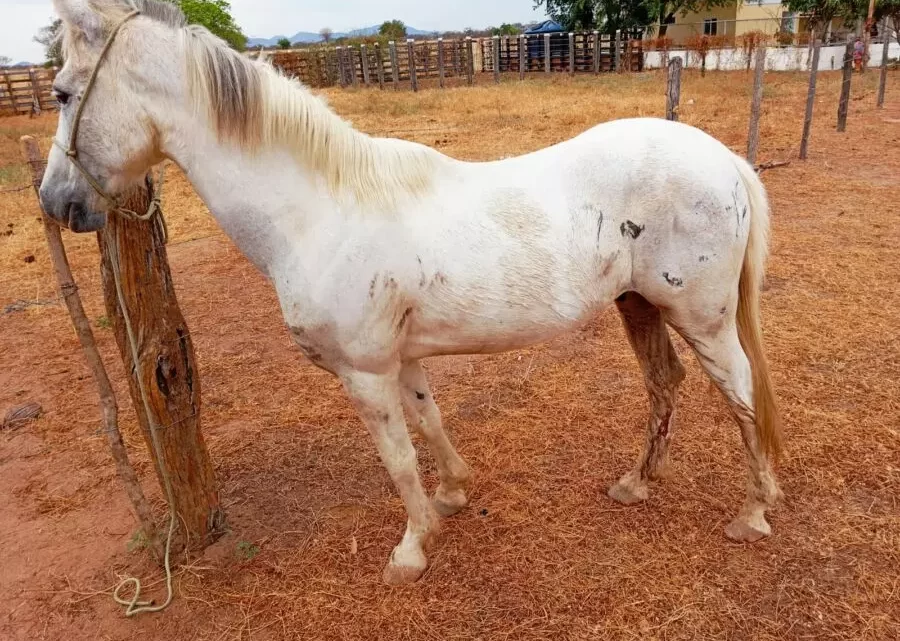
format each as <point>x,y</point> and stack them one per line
<point>266,18</point>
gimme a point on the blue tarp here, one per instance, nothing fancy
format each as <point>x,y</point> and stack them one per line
<point>536,45</point>
<point>548,26</point>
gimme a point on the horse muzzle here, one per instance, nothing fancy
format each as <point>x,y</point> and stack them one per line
<point>72,214</point>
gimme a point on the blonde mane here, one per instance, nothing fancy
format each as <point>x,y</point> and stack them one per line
<point>251,104</point>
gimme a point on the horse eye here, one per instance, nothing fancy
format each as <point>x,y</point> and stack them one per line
<point>61,96</point>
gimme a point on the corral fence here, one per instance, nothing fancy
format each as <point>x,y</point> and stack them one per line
<point>26,91</point>
<point>409,62</point>
<point>590,52</point>
<point>321,66</point>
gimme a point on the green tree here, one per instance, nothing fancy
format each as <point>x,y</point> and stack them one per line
<point>284,43</point>
<point>393,29</point>
<point>821,12</point>
<point>49,37</point>
<point>215,15</point>
<point>889,9</point>
<point>611,15</point>
<point>506,30</point>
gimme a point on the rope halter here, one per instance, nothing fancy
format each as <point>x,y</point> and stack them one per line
<point>71,150</point>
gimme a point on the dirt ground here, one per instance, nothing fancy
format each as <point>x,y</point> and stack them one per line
<point>541,552</point>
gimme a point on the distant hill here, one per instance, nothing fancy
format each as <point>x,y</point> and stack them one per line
<point>307,37</point>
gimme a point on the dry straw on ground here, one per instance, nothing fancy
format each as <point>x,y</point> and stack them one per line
<point>541,553</point>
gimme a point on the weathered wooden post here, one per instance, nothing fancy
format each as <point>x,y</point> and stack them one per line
<point>108,407</point>
<point>342,76</point>
<point>395,68</point>
<point>882,78</point>
<point>364,58</point>
<point>470,62</point>
<point>523,53</point>
<point>379,65</point>
<point>495,55</point>
<point>673,88</point>
<point>756,104</point>
<point>810,99</point>
<point>571,53</point>
<point>546,53</point>
<point>846,78</point>
<point>411,52</point>
<point>596,37</point>
<point>166,383</point>
<point>352,65</point>
<point>35,93</point>
<point>440,62</point>
<point>617,61</point>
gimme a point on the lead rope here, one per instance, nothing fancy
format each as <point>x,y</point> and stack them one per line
<point>134,605</point>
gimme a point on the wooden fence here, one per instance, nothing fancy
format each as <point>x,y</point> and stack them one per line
<point>375,64</point>
<point>562,52</point>
<point>26,91</point>
<point>409,62</point>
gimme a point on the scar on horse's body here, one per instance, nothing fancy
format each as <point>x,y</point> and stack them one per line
<point>383,252</point>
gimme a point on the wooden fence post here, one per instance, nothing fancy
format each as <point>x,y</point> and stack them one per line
<point>342,76</point>
<point>756,104</point>
<point>673,88</point>
<point>168,368</point>
<point>108,406</point>
<point>440,62</point>
<point>810,99</point>
<point>571,53</point>
<point>616,60</point>
<point>846,78</point>
<point>379,69</point>
<point>470,62</point>
<point>596,35</point>
<point>411,51</point>
<point>882,78</point>
<point>364,58</point>
<point>395,68</point>
<point>523,53</point>
<point>506,56</point>
<point>35,93</point>
<point>351,64</point>
<point>495,55</point>
<point>546,53</point>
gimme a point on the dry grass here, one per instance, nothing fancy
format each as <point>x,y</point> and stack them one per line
<point>540,553</point>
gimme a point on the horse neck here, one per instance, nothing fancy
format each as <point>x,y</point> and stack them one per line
<point>260,199</point>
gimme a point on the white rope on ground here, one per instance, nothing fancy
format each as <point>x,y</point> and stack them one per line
<point>135,605</point>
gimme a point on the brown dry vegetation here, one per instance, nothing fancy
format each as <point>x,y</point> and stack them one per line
<point>541,553</point>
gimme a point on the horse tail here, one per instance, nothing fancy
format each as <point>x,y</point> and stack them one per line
<point>768,423</point>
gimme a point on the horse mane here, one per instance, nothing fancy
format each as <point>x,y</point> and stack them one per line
<point>254,106</point>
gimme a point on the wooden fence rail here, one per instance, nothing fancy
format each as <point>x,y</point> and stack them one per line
<point>26,91</point>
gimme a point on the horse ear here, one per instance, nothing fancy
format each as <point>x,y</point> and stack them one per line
<point>80,14</point>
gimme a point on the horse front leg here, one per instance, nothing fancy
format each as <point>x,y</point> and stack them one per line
<point>425,418</point>
<point>378,400</point>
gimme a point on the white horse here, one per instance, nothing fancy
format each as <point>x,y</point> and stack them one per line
<point>384,252</point>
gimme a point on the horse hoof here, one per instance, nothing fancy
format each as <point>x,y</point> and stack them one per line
<point>395,574</point>
<point>628,492</point>
<point>449,503</point>
<point>741,531</point>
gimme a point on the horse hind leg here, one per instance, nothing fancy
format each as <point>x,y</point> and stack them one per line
<point>663,372</point>
<point>719,350</point>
